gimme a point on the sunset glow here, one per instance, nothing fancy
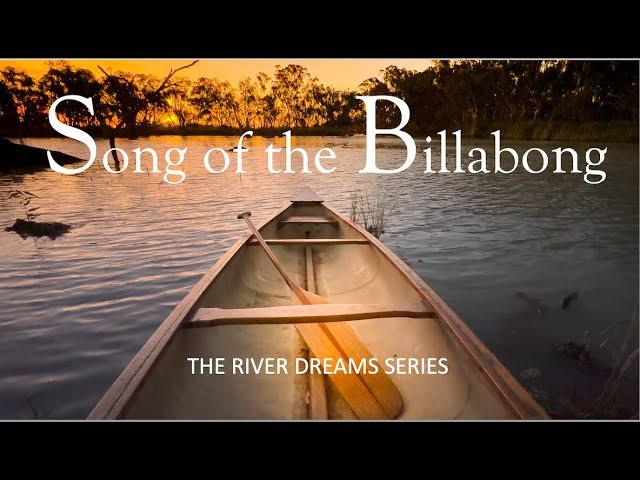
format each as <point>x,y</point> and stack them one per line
<point>339,73</point>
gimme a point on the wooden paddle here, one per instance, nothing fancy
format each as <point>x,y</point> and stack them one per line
<point>370,396</point>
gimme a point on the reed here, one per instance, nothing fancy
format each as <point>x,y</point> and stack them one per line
<point>604,405</point>
<point>370,211</point>
<point>25,197</point>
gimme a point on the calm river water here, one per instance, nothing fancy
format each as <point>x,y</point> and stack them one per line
<point>75,310</point>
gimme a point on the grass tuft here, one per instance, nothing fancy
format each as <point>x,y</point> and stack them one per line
<point>370,211</point>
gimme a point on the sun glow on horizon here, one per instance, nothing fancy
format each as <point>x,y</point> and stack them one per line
<point>338,73</point>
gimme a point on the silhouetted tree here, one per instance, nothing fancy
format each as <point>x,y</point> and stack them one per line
<point>63,79</point>
<point>290,89</point>
<point>447,95</point>
<point>22,102</point>
<point>127,95</point>
<point>212,100</point>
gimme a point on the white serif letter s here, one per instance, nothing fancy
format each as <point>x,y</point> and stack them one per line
<point>73,133</point>
<point>372,131</point>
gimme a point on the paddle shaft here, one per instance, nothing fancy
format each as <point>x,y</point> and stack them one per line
<point>294,288</point>
<point>370,396</point>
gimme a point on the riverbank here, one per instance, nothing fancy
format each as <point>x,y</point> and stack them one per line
<point>24,157</point>
<point>619,131</point>
<point>615,131</point>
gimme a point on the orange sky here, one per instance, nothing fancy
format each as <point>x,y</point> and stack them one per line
<point>340,73</point>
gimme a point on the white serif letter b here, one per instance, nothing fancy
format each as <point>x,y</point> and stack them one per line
<point>372,131</point>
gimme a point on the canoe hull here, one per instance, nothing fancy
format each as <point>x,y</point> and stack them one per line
<point>159,384</point>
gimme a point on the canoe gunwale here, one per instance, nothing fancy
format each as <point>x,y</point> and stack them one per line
<point>508,388</point>
<point>116,399</point>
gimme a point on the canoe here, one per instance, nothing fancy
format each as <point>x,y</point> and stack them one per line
<point>242,310</point>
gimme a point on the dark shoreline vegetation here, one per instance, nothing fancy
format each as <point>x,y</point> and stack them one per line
<point>528,100</point>
<point>619,131</point>
<point>14,156</point>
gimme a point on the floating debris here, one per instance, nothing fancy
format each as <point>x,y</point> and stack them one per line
<point>575,351</point>
<point>533,303</point>
<point>29,228</point>
<point>530,374</point>
<point>566,301</point>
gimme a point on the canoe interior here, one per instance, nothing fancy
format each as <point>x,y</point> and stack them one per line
<point>348,273</point>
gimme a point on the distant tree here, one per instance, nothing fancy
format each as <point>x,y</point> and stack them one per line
<point>267,111</point>
<point>213,101</point>
<point>22,103</point>
<point>244,106</point>
<point>385,112</point>
<point>9,118</point>
<point>312,107</point>
<point>290,87</point>
<point>179,105</point>
<point>128,95</point>
<point>63,79</point>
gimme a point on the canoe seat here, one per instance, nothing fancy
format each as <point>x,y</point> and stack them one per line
<point>296,219</point>
<point>320,313</point>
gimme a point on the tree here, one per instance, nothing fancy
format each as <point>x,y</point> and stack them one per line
<point>213,101</point>
<point>22,103</point>
<point>62,79</point>
<point>266,108</point>
<point>244,106</point>
<point>385,112</point>
<point>289,89</point>
<point>127,95</point>
<point>179,105</point>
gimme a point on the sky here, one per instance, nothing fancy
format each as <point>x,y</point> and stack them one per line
<point>339,73</point>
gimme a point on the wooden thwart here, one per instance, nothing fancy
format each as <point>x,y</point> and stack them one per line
<point>297,314</point>
<point>311,241</point>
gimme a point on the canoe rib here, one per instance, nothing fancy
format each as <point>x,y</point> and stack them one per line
<point>296,314</point>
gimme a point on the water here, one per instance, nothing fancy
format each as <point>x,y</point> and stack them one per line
<point>74,311</point>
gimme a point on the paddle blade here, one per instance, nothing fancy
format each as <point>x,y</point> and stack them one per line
<point>380,384</point>
<point>338,340</point>
<point>313,298</point>
<point>306,297</point>
<point>352,388</point>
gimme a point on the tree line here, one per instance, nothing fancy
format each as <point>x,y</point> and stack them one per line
<point>448,94</point>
